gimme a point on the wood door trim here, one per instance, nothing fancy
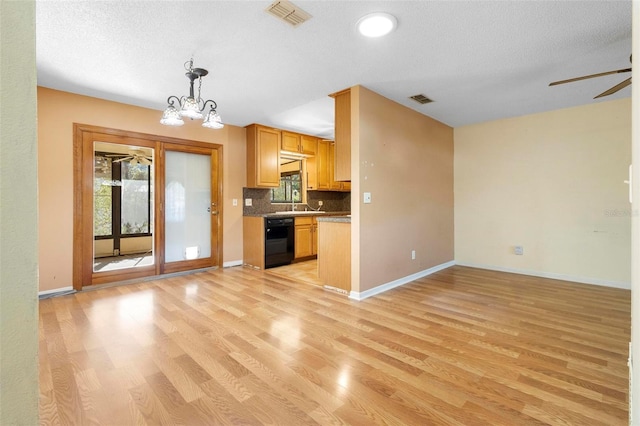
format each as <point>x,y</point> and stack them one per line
<point>83,152</point>
<point>216,195</point>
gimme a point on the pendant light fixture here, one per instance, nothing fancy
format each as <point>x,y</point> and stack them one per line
<point>191,106</point>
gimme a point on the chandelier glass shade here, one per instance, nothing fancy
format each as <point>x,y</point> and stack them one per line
<point>171,117</point>
<point>191,106</point>
<point>213,120</point>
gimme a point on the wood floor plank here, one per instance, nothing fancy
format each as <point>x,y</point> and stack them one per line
<point>234,346</point>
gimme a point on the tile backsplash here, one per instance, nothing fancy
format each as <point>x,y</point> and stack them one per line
<point>261,201</point>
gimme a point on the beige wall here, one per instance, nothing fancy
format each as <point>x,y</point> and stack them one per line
<point>634,373</point>
<point>405,160</point>
<point>553,183</point>
<point>18,217</point>
<point>57,111</point>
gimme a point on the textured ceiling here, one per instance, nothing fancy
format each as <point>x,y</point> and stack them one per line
<point>478,60</point>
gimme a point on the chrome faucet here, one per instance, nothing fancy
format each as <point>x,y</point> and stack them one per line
<point>294,193</point>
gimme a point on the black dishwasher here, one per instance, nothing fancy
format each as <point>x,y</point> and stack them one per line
<point>278,241</point>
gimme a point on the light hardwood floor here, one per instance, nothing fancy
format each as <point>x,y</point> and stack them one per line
<point>239,346</point>
<point>305,272</point>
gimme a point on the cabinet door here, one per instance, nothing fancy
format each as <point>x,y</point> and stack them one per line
<point>323,163</point>
<point>312,173</point>
<point>314,237</point>
<point>333,184</point>
<point>309,145</point>
<point>290,142</point>
<point>345,186</point>
<point>263,157</point>
<point>303,241</point>
<point>343,135</point>
<point>268,158</point>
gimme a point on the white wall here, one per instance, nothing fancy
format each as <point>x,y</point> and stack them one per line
<point>18,217</point>
<point>553,183</point>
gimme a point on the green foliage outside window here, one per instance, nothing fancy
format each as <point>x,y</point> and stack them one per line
<point>290,189</point>
<point>136,198</point>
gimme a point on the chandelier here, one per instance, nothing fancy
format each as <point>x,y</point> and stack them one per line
<point>190,106</point>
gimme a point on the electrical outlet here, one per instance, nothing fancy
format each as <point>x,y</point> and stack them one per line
<point>519,250</point>
<point>234,202</point>
<point>413,255</point>
<point>320,203</point>
<point>248,202</point>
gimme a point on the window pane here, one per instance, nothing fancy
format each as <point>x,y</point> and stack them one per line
<point>188,206</point>
<point>102,184</point>
<point>135,198</point>
<point>290,187</point>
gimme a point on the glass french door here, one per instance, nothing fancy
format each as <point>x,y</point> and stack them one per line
<point>122,206</point>
<point>144,205</point>
<point>190,208</point>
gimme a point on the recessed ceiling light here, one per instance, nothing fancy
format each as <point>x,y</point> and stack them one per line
<point>376,24</point>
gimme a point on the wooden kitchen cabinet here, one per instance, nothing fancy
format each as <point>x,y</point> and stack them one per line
<point>325,165</point>
<point>308,145</point>
<point>263,156</point>
<point>342,135</point>
<point>253,241</point>
<point>322,165</point>
<point>306,239</point>
<point>334,185</point>
<point>298,143</point>
<point>311,173</point>
<point>290,141</point>
<point>334,255</point>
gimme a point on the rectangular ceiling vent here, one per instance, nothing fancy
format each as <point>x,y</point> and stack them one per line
<point>288,12</point>
<point>421,99</point>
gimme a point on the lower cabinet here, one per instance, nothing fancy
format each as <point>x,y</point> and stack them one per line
<point>306,237</point>
<point>334,254</point>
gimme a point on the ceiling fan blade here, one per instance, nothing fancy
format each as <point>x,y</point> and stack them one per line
<point>571,80</point>
<point>615,88</point>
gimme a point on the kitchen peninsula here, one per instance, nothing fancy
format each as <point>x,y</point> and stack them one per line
<point>334,252</point>
<point>274,239</point>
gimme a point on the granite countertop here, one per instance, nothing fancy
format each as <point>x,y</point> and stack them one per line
<point>301,214</point>
<point>340,219</point>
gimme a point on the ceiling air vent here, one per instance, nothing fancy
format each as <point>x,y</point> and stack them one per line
<point>288,12</point>
<point>421,99</point>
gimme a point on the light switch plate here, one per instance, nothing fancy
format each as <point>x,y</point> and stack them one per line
<point>367,198</point>
<point>234,202</point>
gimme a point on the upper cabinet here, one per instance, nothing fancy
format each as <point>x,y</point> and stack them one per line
<point>266,146</point>
<point>335,185</point>
<point>290,142</point>
<point>308,145</point>
<point>342,135</point>
<point>323,166</point>
<point>299,144</point>
<point>325,160</point>
<point>263,156</point>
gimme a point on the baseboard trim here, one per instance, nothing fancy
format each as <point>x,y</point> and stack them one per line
<point>232,263</point>
<point>355,295</point>
<point>55,292</point>
<point>562,277</point>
